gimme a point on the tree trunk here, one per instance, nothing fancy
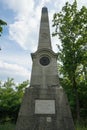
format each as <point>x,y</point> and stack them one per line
<point>85,72</point>
<point>77,100</point>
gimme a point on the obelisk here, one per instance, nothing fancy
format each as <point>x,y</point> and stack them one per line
<point>45,105</point>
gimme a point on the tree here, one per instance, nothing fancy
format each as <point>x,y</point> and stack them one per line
<point>10,99</point>
<point>2,23</point>
<point>71,27</point>
<point>6,98</point>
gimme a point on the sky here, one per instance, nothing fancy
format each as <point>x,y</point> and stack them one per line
<point>20,36</point>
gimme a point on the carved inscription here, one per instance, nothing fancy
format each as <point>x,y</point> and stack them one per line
<point>44,106</point>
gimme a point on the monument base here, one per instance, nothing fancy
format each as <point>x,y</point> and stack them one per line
<point>45,109</point>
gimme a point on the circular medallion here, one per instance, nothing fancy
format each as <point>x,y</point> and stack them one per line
<point>44,60</point>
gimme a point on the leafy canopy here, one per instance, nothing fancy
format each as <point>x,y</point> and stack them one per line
<point>2,23</point>
<point>10,99</point>
<point>71,26</point>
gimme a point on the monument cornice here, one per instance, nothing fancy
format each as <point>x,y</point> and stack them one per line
<point>44,51</point>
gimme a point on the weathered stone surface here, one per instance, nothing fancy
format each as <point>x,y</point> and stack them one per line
<point>60,120</point>
<point>45,105</point>
<point>44,34</point>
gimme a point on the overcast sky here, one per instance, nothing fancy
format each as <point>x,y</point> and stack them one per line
<point>20,36</point>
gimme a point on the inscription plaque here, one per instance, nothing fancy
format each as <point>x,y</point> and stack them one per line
<point>44,106</point>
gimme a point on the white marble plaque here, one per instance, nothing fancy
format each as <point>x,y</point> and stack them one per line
<point>44,106</point>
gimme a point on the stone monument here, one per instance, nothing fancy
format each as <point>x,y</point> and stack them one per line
<point>45,105</point>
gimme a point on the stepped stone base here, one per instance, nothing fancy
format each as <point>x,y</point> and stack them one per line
<point>45,109</point>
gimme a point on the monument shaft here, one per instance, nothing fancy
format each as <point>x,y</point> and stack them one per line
<point>45,105</point>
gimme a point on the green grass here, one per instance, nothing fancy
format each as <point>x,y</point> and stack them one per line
<point>9,126</point>
<point>81,128</point>
<point>82,125</point>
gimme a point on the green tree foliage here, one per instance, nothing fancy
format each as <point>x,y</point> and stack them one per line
<point>2,23</point>
<point>10,99</point>
<point>71,26</point>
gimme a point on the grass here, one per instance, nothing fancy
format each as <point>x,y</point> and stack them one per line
<point>79,127</point>
<point>9,126</point>
<point>82,125</point>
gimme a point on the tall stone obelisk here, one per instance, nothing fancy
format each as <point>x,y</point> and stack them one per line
<point>45,105</point>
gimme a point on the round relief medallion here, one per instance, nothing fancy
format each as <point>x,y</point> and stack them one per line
<point>44,60</point>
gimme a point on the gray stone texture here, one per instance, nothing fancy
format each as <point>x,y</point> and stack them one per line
<point>61,120</point>
<point>44,76</point>
<point>44,34</point>
<point>44,85</point>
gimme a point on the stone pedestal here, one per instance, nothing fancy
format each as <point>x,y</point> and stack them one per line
<point>45,109</point>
